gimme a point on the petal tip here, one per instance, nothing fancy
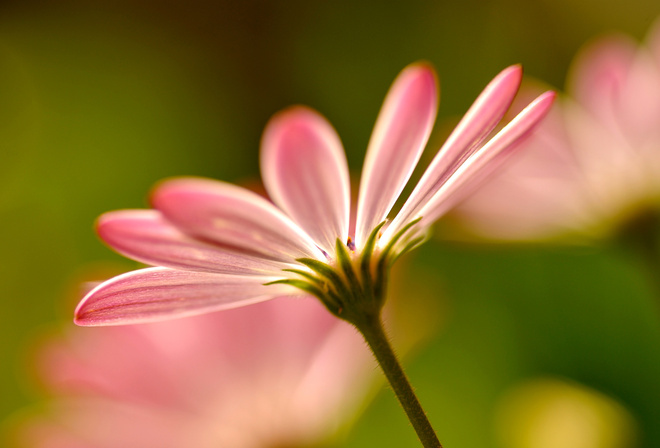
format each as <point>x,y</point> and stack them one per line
<point>546,99</point>
<point>104,224</point>
<point>80,321</point>
<point>109,223</point>
<point>512,74</point>
<point>288,122</point>
<point>160,189</point>
<point>422,66</point>
<point>81,317</point>
<point>164,185</point>
<point>290,115</point>
<point>423,71</point>
<point>174,186</point>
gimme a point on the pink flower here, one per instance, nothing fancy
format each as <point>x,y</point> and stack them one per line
<point>280,373</point>
<point>594,163</point>
<point>220,246</point>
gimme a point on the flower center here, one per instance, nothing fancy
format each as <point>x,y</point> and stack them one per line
<point>352,286</point>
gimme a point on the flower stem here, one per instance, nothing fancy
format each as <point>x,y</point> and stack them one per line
<point>374,335</point>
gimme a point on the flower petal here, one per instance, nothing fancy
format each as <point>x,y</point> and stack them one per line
<point>317,403</point>
<point>145,236</point>
<point>399,137</point>
<point>618,83</point>
<point>304,170</point>
<point>485,161</point>
<point>544,191</point>
<point>160,293</point>
<point>232,216</point>
<point>599,74</point>
<point>85,421</point>
<point>474,127</point>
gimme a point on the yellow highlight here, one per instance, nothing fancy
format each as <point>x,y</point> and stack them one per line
<point>552,413</point>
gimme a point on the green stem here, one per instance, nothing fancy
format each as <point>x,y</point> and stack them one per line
<point>374,335</point>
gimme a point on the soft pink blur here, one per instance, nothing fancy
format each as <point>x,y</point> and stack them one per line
<point>279,373</point>
<point>594,162</point>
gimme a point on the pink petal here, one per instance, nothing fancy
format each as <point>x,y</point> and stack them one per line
<point>598,75</point>
<point>99,363</point>
<point>160,293</point>
<point>639,105</point>
<point>319,404</point>
<point>304,170</point>
<point>400,135</point>
<point>653,40</point>
<point>476,125</point>
<point>102,423</point>
<point>618,82</point>
<point>486,160</point>
<point>542,192</point>
<point>145,236</point>
<point>233,216</point>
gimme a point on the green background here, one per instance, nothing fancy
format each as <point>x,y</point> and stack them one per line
<point>99,100</point>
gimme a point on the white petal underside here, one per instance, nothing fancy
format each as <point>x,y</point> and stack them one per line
<point>155,294</point>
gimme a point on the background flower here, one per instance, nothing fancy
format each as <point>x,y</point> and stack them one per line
<point>594,165</point>
<point>280,373</point>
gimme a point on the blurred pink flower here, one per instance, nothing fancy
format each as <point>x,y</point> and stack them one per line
<point>280,373</point>
<point>594,163</point>
<point>218,245</point>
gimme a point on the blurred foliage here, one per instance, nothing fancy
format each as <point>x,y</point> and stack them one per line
<point>99,100</point>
